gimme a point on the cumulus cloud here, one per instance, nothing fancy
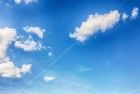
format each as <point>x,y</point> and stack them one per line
<point>124,16</point>
<point>9,70</point>
<point>7,35</point>
<point>25,1</point>
<point>28,45</point>
<point>134,12</point>
<point>49,78</point>
<point>94,24</point>
<point>36,30</point>
<point>7,67</point>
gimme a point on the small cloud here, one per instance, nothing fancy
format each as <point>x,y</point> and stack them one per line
<point>95,23</point>
<point>26,68</point>
<point>36,30</point>
<point>50,54</point>
<point>124,16</point>
<point>134,13</point>
<point>49,78</point>
<point>25,1</point>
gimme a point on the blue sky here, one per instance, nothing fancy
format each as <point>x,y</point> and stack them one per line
<point>42,52</point>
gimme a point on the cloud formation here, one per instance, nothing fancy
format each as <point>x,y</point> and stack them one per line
<point>7,35</point>
<point>7,67</point>
<point>28,45</point>
<point>134,13</point>
<point>9,70</point>
<point>25,1</point>
<point>36,30</point>
<point>95,23</point>
<point>49,78</point>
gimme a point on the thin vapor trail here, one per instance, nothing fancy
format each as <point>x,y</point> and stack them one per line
<point>122,3</point>
<point>54,62</point>
<point>70,47</point>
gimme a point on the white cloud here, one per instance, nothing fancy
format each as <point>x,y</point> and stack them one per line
<point>18,1</point>
<point>124,16</point>
<point>25,1</point>
<point>134,12</point>
<point>9,70</point>
<point>49,78</point>
<point>7,67</point>
<point>94,24</point>
<point>37,30</point>
<point>50,54</point>
<point>7,35</point>
<point>26,68</point>
<point>28,45</point>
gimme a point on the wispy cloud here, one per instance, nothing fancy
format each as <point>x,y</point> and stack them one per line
<point>36,30</point>
<point>84,69</point>
<point>24,1</point>
<point>124,16</point>
<point>134,13</point>
<point>49,78</point>
<point>28,45</point>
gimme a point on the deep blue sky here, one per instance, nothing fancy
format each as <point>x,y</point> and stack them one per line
<point>108,63</point>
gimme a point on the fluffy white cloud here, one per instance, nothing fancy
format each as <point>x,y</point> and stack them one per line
<point>94,24</point>
<point>124,16</point>
<point>134,12</point>
<point>24,1</point>
<point>49,78</point>
<point>7,67</point>
<point>28,45</point>
<point>9,70</point>
<point>37,30</point>
<point>7,35</point>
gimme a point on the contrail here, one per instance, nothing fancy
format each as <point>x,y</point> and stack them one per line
<point>29,83</point>
<point>122,3</point>
<point>70,47</point>
<point>54,62</point>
